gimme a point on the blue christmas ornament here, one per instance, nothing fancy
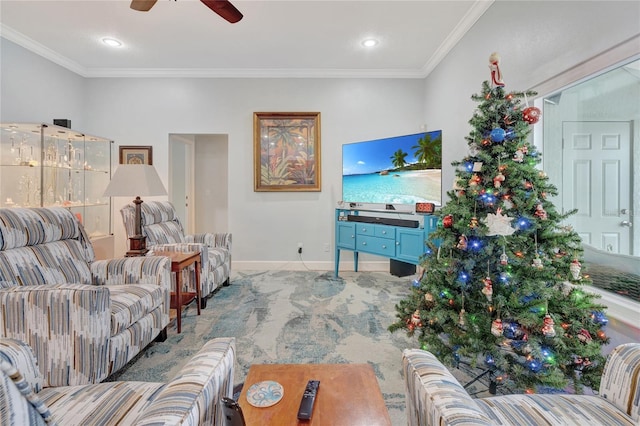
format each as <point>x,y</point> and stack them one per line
<point>509,330</point>
<point>510,134</point>
<point>415,283</point>
<point>599,318</point>
<point>523,223</point>
<point>489,360</point>
<point>468,166</point>
<point>498,134</point>
<point>530,297</point>
<point>488,199</point>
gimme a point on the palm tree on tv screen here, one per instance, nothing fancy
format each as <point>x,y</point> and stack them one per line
<point>398,159</point>
<point>428,152</point>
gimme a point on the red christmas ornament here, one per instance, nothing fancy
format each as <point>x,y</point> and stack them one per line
<point>531,115</point>
<point>414,321</point>
<point>447,221</point>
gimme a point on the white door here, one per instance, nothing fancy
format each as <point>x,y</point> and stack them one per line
<point>596,180</point>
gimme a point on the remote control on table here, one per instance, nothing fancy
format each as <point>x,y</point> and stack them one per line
<point>308,398</point>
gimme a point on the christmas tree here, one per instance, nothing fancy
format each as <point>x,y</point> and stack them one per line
<point>502,279</point>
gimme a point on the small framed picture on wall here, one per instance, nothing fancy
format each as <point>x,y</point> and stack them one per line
<point>130,154</point>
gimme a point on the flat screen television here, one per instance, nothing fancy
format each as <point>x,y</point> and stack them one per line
<point>397,170</point>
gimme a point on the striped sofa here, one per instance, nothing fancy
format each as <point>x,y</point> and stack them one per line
<point>84,319</point>
<point>162,227</point>
<point>435,397</point>
<point>190,398</point>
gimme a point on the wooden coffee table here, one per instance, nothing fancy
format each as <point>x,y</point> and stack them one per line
<point>348,395</point>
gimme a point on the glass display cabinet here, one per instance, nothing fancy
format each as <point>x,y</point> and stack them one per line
<point>43,165</point>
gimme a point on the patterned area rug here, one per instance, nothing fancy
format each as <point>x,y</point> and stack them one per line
<point>294,317</point>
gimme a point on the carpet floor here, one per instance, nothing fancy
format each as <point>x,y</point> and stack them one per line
<point>294,317</point>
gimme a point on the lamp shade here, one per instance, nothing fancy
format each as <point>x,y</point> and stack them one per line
<point>135,180</point>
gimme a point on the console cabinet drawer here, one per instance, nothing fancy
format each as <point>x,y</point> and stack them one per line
<point>376,245</point>
<point>381,231</point>
<point>385,232</point>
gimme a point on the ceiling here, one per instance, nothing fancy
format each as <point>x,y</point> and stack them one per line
<point>274,39</point>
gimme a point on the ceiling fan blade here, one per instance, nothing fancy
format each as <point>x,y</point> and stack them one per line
<point>225,9</point>
<point>142,5</point>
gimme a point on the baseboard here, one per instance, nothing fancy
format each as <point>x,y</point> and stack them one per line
<point>621,308</point>
<point>369,266</point>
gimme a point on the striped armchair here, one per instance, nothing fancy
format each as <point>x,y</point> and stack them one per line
<point>162,227</point>
<point>190,398</point>
<point>435,397</point>
<point>84,319</point>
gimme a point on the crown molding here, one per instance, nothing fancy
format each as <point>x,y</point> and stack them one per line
<point>470,18</point>
<point>249,73</point>
<point>465,24</point>
<point>41,50</point>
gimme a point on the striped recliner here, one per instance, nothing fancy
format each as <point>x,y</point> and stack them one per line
<point>84,319</point>
<point>191,398</point>
<point>435,397</point>
<point>163,230</point>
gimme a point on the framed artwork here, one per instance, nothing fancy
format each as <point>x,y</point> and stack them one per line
<point>286,151</point>
<point>130,154</point>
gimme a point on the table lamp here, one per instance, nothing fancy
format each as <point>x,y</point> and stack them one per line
<point>138,180</point>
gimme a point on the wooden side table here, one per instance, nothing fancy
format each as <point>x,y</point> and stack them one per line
<point>180,261</point>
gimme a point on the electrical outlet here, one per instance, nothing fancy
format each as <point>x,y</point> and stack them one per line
<point>299,248</point>
<point>327,247</point>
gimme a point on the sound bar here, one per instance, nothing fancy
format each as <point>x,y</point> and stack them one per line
<point>405,223</point>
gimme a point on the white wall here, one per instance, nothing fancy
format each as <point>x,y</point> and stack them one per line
<point>537,40</point>
<point>211,183</point>
<point>34,89</point>
<point>266,226</point>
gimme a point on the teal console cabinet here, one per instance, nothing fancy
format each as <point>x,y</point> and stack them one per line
<point>391,241</point>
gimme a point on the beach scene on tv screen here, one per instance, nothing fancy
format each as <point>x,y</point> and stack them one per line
<point>397,170</point>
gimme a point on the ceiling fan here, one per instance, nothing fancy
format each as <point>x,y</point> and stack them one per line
<point>224,8</point>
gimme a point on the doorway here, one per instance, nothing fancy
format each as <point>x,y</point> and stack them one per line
<point>591,134</point>
<point>198,181</point>
<point>181,178</point>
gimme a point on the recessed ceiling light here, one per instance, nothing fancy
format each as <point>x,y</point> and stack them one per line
<point>370,42</point>
<point>111,42</point>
